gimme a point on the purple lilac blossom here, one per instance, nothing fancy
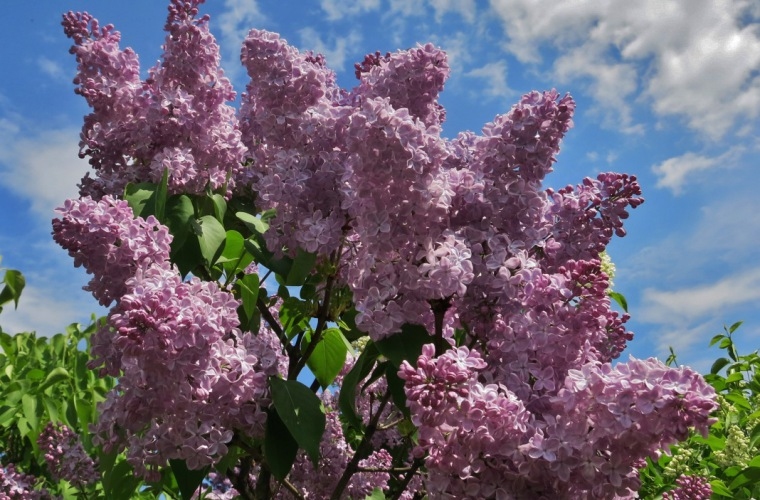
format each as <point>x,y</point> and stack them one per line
<point>109,242</point>
<point>15,485</point>
<point>177,120</point>
<point>65,456</point>
<point>690,488</point>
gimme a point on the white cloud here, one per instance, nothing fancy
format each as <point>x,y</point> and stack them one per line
<point>336,55</point>
<point>674,172</point>
<point>42,166</point>
<point>689,304</point>
<point>495,76</point>
<point>48,310</point>
<point>52,68</point>
<point>465,8</point>
<point>338,9</point>
<point>697,60</point>
<point>234,23</point>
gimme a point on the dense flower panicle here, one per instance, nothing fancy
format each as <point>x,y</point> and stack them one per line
<point>187,376</point>
<point>177,120</point>
<point>65,456</point>
<point>15,485</point>
<point>411,79</point>
<point>690,488</point>
<point>111,244</point>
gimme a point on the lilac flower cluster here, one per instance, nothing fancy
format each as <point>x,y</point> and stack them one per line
<point>65,456</point>
<point>188,378</point>
<point>690,488</point>
<point>15,485</point>
<point>177,120</point>
<point>105,237</point>
<point>481,440</point>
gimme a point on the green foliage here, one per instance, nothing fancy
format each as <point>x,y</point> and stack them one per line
<point>729,456</point>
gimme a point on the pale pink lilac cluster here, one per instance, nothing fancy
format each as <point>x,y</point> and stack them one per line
<point>65,456</point>
<point>188,378</point>
<point>690,488</point>
<point>110,242</point>
<point>177,120</point>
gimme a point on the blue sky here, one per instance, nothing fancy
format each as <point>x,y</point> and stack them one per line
<point>667,90</point>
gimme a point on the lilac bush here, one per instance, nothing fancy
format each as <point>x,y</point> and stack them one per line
<point>475,297</point>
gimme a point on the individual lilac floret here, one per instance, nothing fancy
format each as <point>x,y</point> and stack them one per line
<point>110,242</point>
<point>690,488</point>
<point>65,456</point>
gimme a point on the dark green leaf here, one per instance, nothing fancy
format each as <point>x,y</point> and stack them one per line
<point>253,223</point>
<point>179,214</point>
<point>14,284</point>
<point>620,299</point>
<point>162,191</point>
<point>59,373</point>
<point>220,206</point>
<point>249,293</point>
<point>716,339</point>
<point>302,413</point>
<point>35,375</point>
<point>187,480</point>
<point>405,345</point>
<point>347,395</point>
<point>122,482</point>
<point>141,198</point>
<point>719,488</point>
<point>718,365</point>
<point>328,357</point>
<point>30,410</point>
<point>294,316</point>
<point>211,238</point>
<point>396,386</point>
<point>280,448</point>
<point>301,268</point>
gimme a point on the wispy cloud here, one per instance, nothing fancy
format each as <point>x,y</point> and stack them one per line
<point>234,23</point>
<point>678,50</point>
<point>494,74</point>
<point>336,51</point>
<point>42,165</point>
<point>53,69</point>
<point>689,304</point>
<point>675,172</point>
<point>338,9</point>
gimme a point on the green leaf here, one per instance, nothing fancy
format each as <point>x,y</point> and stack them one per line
<point>141,198</point>
<point>396,386</point>
<point>234,256</point>
<point>734,377</point>
<point>179,214</point>
<point>162,191</point>
<point>211,238</point>
<point>620,299</point>
<point>280,448</point>
<point>718,365</point>
<point>405,345</point>
<point>220,206</point>
<point>733,327</point>
<point>249,293</point>
<point>58,374</point>
<point>30,410</point>
<point>294,316</point>
<point>377,494</point>
<point>187,480</point>
<point>739,400</point>
<point>302,267</point>
<point>328,357</point>
<point>253,223</point>
<point>121,482</point>
<point>716,339</point>
<point>302,413</point>
<point>35,375</point>
<point>14,284</point>
<point>719,488</point>
<point>347,394</point>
